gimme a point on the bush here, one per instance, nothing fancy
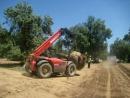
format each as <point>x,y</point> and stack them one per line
<point>11,52</point>
<point>15,54</point>
<point>4,49</point>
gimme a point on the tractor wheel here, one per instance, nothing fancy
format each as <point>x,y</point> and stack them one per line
<point>71,69</point>
<point>44,70</point>
<point>28,70</point>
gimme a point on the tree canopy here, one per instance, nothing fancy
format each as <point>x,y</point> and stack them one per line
<point>121,48</point>
<point>91,36</point>
<point>26,26</point>
<point>26,31</point>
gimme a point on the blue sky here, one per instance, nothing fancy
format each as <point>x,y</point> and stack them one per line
<point>66,13</point>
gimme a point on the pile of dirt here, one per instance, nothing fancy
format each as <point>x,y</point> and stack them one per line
<point>78,59</point>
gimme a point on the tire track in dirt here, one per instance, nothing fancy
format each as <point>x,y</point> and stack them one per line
<point>108,94</point>
<point>94,87</point>
<point>120,83</point>
<point>124,80</point>
<point>116,91</point>
<point>126,71</point>
<point>107,81</point>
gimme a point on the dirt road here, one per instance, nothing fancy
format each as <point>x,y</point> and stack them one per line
<point>105,80</point>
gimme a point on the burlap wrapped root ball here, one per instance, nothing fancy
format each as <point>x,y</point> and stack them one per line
<point>78,59</point>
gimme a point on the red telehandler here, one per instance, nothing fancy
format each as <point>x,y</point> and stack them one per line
<point>46,66</point>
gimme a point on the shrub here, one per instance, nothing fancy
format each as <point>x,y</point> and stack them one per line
<point>15,54</point>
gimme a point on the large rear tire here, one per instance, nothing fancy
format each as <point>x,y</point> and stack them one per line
<point>71,69</point>
<point>44,70</point>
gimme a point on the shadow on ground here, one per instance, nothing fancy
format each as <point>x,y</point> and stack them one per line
<point>34,76</point>
<point>10,65</point>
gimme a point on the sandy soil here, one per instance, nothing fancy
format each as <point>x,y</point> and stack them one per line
<point>101,80</point>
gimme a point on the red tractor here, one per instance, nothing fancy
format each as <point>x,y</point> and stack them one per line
<point>46,66</point>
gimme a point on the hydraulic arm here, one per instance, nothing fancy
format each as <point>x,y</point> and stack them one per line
<point>49,42</point>
<point>46,44</point>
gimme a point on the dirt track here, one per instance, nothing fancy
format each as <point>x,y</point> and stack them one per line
<point>105,80</point>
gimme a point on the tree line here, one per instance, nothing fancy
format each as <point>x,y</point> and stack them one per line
<point>121,48</point>
<point>27,30</point>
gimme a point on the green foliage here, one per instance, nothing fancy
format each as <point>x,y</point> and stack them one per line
<point>121,48</point>
<point>127,36</point>
<point>24,31</point>
<point>5,43</point>
<point>98,34</point>
<point>81,40</point>
<point>11,52</point>
<point>4,35</point>
<point>25,26</point>
<point>15,54</point>
<point>7,49</point>
<point>4,48</point>
<point>46,24</point>
<point>91,37</point>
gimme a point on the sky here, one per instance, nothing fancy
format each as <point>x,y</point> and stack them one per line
<point>67,13</point>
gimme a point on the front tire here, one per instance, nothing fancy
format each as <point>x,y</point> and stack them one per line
<point>71,69</point>
<point>44,70</point>
<point>27,68</point>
